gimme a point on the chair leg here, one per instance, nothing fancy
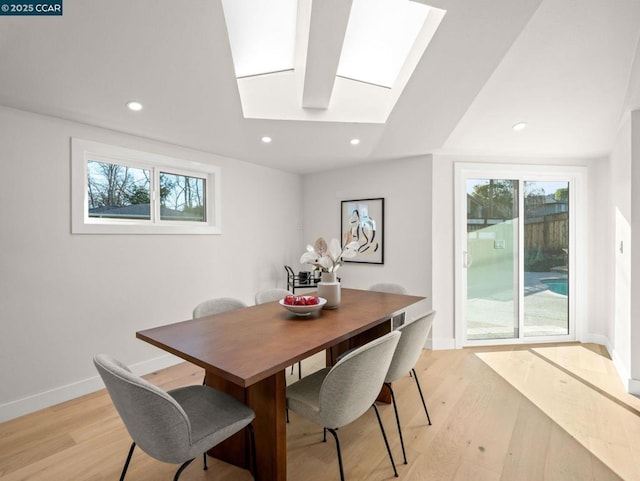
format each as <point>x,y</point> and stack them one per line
<point>181,468</point>
<point>126,463</point>
<point>386,443</point>
<point>395,409</point>
<point>204,457</point>
<point>415,376</point>
<point>335,436</point>
<point>299,369</point>
<point>254,458</point>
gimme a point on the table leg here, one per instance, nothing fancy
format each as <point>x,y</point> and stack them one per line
<point>267,398</point>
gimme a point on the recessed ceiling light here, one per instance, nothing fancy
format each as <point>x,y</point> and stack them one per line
<point>519,126</point>
<point>134,105</point>
<point>354,141</point>
<point>266,139</point>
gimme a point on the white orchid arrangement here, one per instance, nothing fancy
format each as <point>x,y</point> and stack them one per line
<point>328,257</point>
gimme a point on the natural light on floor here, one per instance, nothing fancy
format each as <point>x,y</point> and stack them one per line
<point>579,390</point>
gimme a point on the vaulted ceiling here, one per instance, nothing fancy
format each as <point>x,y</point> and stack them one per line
<point>569,68</point>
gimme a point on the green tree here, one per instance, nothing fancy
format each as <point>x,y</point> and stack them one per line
<point>496,198</point>
<point>562,194</point>
<point>139,195</point>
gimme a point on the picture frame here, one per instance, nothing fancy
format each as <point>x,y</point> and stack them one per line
<point>364,219</point>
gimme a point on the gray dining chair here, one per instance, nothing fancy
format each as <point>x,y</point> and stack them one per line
<point>271,295</point>
<point>412,341</point>
<point>336,396</point>
<point>217,306</point>
<point>391,288</point>
<point>172,426</point>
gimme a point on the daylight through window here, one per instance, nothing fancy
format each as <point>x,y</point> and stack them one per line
<point>117,190</point>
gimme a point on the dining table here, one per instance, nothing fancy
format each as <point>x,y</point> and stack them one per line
<point>245,353</point>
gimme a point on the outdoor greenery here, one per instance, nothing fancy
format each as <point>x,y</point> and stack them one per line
<point>112,186</point>
<point>542,260</point>
<point>496,200</point>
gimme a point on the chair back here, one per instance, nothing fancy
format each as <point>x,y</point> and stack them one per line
<point>388,287</point>
<point>270,295</point>
<point>217,306</point>
<point>414,336</point>
<point>353,384</point>
<point>155,421</point>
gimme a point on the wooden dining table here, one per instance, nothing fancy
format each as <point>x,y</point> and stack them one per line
<point>245,353</point>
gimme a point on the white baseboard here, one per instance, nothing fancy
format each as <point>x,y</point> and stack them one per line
<point>440,344</point>
<point>597,339</point>
<point>36,402</point>
<point>634,386</point>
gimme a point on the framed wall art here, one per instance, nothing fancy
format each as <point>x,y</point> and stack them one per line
<point>364,220</point>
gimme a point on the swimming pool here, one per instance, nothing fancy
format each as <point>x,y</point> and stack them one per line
<point>559,286</point>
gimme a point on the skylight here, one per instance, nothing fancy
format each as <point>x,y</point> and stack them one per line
<point>379,37</point>
<point>329,61</point>
<point>262,35</point>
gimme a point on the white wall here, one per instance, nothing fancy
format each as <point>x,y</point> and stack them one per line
<point>64,297</point>
<point>634,338</point>
<point>619,251</point>
<point>623,251</point>
<point>594,328</point>
<point>406,187</point>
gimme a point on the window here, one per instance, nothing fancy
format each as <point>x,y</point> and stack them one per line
<point>123,191</point>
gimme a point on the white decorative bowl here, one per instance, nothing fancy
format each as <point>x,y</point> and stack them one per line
<point>304,310</point>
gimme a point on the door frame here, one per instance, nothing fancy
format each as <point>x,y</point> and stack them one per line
<point>578,202</point>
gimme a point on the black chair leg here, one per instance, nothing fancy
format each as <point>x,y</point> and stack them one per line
<point>181,468</point>
<point>335,436</point>
<point>299,369</point>
<point>204,457</point>
<point>254,458</point>
<point>421,396</point>
<point>386,443</point>
<point>126,463</point>
<point>395,409</point>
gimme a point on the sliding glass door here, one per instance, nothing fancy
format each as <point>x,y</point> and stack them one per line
<point>491,258</point>
<point>513,271</point>
<point>546,258</point>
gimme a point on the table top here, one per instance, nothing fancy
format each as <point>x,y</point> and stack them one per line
<point>250,344</point>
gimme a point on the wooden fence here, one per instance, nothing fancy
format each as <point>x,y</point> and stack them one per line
<point>549,231</point>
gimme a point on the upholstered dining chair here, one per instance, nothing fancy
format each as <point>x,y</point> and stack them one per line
<point>414,336</point>
<point>336,396</point>
<point>391,288</point>
<point>270,295</point>
<point>217,306</point>
<point>174,426</point>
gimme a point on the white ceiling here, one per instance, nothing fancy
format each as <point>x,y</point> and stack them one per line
<point>564,66</point>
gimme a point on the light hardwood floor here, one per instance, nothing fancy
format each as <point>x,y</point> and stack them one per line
<point>510,413</point>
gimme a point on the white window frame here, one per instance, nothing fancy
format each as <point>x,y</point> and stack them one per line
<point>82,151</point>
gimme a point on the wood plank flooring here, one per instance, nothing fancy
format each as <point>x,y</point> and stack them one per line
<point>553,412</point>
